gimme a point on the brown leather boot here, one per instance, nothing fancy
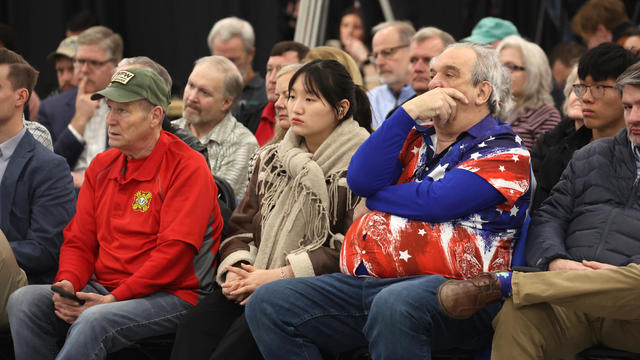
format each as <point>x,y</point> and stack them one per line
<point>459,299</point>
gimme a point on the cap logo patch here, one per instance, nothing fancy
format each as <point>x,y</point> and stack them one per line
<point>123,77</point>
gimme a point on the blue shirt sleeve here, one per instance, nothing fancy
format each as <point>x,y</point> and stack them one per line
<point>457,194</point>
<point>375,164</point>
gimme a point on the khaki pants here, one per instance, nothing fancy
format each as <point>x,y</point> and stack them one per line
<point>11,278</point>
<point>560,313</point>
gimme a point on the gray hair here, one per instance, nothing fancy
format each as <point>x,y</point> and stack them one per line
<point>631,76</point>
<point>536,90</point>
<point>288,69</point>
<point>105,38</point>
<point>143,61</point>
<point>431,31</point>
<point>229,27</point>
<point>568,88</point>
<point>232,83</point>
<point>487,67</point>
<point>404,28</point>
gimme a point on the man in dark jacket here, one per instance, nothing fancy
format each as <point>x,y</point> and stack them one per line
<point>36,189</point>
<point>590,223</point>
<point>602,115</point>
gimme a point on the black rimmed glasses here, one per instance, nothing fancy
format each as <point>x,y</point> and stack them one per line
<point>597,91</point>
<point>386,53</point>
<point>93,64</point>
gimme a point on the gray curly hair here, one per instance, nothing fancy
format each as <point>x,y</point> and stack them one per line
<point>487,67</point>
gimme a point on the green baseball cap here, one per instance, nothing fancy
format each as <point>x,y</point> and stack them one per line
<point>134,84</point>
<point>491,29</point>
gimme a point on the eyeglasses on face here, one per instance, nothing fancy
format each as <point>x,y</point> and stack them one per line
<point>93,64</point>
<point>387,53</point>
<point>513,67</point>
<point>597,91</point>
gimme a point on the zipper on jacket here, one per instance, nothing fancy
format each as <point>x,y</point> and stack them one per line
<point>632,198</point>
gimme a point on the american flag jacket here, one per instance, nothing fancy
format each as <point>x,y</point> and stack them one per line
<point>454,214</point>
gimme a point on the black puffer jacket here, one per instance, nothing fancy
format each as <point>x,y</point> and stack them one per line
<point>552,154</point>
<point>593,212</point>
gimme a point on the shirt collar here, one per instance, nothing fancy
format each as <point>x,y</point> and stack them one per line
<point>8,147</point>
<point>220,132</point>
<point>151,164</point>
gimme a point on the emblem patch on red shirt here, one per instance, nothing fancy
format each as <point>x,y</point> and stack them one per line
<point>141,201</point>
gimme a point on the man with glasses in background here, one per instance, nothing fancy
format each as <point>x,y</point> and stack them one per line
<point>77,123</point>
<point>602,115</point>
<point>390,53</point>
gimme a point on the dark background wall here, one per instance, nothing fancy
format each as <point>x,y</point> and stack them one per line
<point>174,32</point>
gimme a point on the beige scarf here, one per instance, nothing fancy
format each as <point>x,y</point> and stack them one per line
<point>301,192</point>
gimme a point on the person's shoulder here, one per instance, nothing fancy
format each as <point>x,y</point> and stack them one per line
<point>377,90</point>
<point>180,152</point>
<point>43,157</point>
<point>59,99</point>
<point>240,133</point>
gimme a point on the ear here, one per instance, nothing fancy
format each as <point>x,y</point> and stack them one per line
<point>157,114</point>
<point>483,92</point>
<point>226,104</point>
<point>22,96</point>
<point>343,104</point>
<point>251,53</point>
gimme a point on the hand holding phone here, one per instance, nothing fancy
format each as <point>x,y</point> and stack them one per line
<point>65,294</point>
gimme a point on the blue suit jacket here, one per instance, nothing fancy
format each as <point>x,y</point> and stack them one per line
<point>55,114</point>
<point>38,201</point>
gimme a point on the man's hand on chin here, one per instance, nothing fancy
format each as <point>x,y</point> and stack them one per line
<point>438,105</point>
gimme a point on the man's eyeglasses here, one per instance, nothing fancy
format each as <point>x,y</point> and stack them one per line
<point>93,64</point>
<point>386,53</point>
<point>514,67</point>
<point>597,91</point>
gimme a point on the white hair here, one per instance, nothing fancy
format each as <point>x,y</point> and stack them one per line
<point>431,31</point>
<point>487,67</point>
<point>536,90</point>
<point>229,27</point>
<point>232,83</point>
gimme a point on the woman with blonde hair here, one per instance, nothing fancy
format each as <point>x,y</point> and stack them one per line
<point>282,98</point>
<point>534,113</point>
<point>331,53</point>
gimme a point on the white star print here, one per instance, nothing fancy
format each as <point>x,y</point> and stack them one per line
<point>501,168</point>
<point>415,150</point>
<point>490,138</point>
<point>438,172</point>
<point>514,211</point>
<point>462,147</point>
<point>515,158</point>
<point>500,211</point>
<point>482,144</point>
<point>475,156</point>
<point>518,139</point>
<point>404,255</point>
<point>421,232</point>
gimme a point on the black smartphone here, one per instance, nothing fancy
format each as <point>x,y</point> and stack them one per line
<point>65,294</point>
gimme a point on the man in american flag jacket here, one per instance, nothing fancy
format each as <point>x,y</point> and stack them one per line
<point>448,198</point>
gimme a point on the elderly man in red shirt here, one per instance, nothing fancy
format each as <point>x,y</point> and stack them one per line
<point>139,252</point>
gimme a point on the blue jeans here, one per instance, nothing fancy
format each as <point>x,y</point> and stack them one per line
<point>100,329</point>
<point>398,318</point>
